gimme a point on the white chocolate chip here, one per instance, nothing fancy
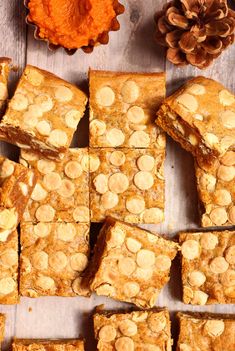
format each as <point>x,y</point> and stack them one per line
<point>226,142</point>
<point>9,258</point>
<point>188,101</point>
<point>193,139</point>
<point>107,333</point>
<point>109,200</point>
<point>73,169</point>
<point>197,89</point>
<point>135,114</point>
<point>85,163</point>
<point>145,258</point>
<point>115,137</point>
<point>94,163</point>
<point>135,204</point>
<point>144,273</point>
<point>58,138</point>
<point>219,265</point>
<point>162,263</point>
<point>101,183</point>
<point>209,241</point>
<point>200,298</point>
<point>214,327</point>
<point>45,166</point>
<point>226,98</point>
<point>7,168</point>
<point>228,158</point>
<point>190,249</point>
<point>58,261</point>
<point>33,76</point>
<point>131,289</point>
<point>72,118</point>
<point>41,229</point>
<point>45,283</point>
<point>232,214</point>
<point>133,245</point>
<point>38,193</point>
<point>8,219</point>
<point>29,156</point>
<point>185,347</point>
<point>143,180</point>
<point>7,285</point>
<point>45,213</point>
<point>24,188</point>
<point>128,327</point>
<point>228,119</point>
<point>45,102</point>
<point>40,260</point>
<point>222,197</point>
<point>43,128</point>
<point>117,237</point>
<point>152,215</point>
<point>146,163</point>
<point>105,96</point>
<point>117,158</point>
<point>124,344</point>
<point>157,322</point>
<point>97,128</point>
<point>81,214</point>
<point>139,139</point>
<point>198,117</point>
<point>219,216</point>
<point>126,266</point>
<point>130,91</point>
<point>211,139</point>
<point>66,231</point>
<point>118,183</point>
<point>78,262</point>
<point>208,182</point>
<point>19,102</point>
<point>226,173</point>
<point>66,189</point>
<point>196,278</point>
<point>63,94</point>
<point>230,255</point>
<point>228,278</point>
<point>52,181</point>
<point>106,290</point>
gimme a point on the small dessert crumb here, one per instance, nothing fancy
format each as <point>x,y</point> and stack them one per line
<point>30,309</point>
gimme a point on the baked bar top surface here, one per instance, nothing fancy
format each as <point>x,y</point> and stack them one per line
<point>2,326</point>
<point>208,267</point>
<point>206,332</point>
<point>128,184</point>
<point>216,189</point>
<point>9,263</point>
<point>48,345</point>
<point>4,72</point>
<point>44,109</point>
<point>53,258</point>
<point>137,330</point>
<point>62,189</point>
<point>123,107</point>
<point>130,264</point>
<point>205,107</point>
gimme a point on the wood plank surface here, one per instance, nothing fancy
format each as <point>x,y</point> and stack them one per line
<point>130,49</point>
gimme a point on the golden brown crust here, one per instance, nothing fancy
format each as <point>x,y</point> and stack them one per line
<point>130,264</point>
<point>62,189</point>
<point>43,113</point>
<point>48,344</point>
<point>200,116</point>
<point>4,73</point>
<point>136,330</point>
<point>123,107</point>
<point>53,259</point>
<point>128,184</point>
<point>208,267</point>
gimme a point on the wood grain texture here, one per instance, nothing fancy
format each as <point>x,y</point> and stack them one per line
<point>130,49</point>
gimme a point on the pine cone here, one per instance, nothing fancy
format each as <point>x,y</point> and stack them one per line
<point>195,31</point>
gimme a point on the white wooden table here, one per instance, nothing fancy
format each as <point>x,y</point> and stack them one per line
<point>130,49</point>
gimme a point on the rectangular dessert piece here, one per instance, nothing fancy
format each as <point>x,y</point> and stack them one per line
<point>200,116</point>
<point>16,185</point>
<point>123,108</point>
<point>207,332</point>
<point>130,264</point>
<point>4,72</point>
<point>53,259</point>
<point>48,344</point>
<point>62,189</point>
<point>43,113</point>
<point>2,327</point>
<point>9,265</point>
<point>216,191</point>
<point>128,184</point>
<point>208,267</point>
<point>137,330</point>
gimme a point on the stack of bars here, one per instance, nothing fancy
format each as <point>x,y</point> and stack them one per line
<point>201,117</point>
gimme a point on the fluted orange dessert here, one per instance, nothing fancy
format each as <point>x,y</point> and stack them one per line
<point>74,24</point>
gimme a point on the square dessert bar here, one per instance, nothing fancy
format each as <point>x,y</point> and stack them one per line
<point>43,113</point>
<point>137,330</point>
<point>2,327</point>
<point>207,332</point>
<point>201,117</point>
<point>128,184</point>
<point>216,190</point>
<point>48,345</point>
<point>62,189</point>
<point>123,108</point>
<point>4,72</point>
<point>208,267</point>
<point>53,259</point>
<point>9,265</point>
<point>130,264</point>
<point>16,185</point>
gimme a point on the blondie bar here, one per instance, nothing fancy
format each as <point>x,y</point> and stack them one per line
<point>4,72</point>
<point>130,264</point>
<point>207,332</point>
<point>48,345</point>
<point>16,185</point>
<point>208,267</point>
<point>138,330</point>
<point>53,259</point>
<point>123,107</point>
<point>2,327</point>
<point>43,113</point>
<point>201,117</point>
<point>216,190</point>
<point>128,184</point>
<point>62,189</point>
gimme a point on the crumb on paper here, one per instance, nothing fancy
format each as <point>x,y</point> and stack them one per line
<point>30,309</point>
